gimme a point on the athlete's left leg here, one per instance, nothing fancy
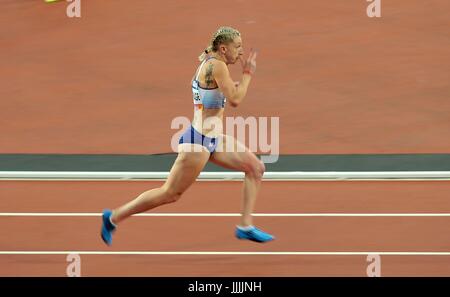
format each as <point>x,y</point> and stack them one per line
<point>234,155</point>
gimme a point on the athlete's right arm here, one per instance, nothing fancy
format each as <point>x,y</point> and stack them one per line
<point>234,93</point>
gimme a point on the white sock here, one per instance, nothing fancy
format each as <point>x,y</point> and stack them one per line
<point>110,220</point>
<point>246,228</point>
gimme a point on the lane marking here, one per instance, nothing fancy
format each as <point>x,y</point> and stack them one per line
<point>232,180</point>
<point>155,214</point>
<point>205,253</point>
<point>274,175</point>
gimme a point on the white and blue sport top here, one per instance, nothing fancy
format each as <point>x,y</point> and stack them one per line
<point>206,98</point>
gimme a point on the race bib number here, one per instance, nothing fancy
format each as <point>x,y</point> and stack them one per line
<point>196,97</point>
<point>196,94</point>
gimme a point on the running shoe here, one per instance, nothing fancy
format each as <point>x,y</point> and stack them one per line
<point>108,228</point>
<point>253,234</point>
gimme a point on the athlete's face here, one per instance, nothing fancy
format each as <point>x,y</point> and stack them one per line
<point>234,50</point>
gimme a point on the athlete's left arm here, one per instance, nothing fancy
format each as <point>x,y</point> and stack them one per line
<point>234,94</point>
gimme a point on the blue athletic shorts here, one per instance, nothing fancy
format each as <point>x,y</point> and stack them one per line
<point>193,136</point>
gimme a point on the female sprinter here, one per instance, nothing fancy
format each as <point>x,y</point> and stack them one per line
<point>199,144</point>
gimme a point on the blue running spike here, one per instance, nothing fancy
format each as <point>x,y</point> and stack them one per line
<point>254,234</point>
<point>107,227</point>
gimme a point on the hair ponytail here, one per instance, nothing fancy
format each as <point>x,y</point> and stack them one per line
<point>223,35</point>
<point>205,53</point>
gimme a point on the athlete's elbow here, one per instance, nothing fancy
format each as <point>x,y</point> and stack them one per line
<point>234,103</point>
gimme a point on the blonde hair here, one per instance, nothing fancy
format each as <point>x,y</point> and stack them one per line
<point>223,35</point>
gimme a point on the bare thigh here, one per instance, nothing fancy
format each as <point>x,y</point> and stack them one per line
<point>236,156</point>
<point>186,169</point>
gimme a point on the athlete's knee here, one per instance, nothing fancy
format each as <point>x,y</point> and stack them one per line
<point>256,168</point>
<point>260,169</point>
<point>171,194</point>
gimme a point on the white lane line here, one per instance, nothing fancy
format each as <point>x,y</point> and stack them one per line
<point>295,175</point>
<point>205,253</point>
<point>92,214</point>
<point>435,179</point>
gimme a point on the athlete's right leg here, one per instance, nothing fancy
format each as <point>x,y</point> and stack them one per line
<point>184,172</point>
